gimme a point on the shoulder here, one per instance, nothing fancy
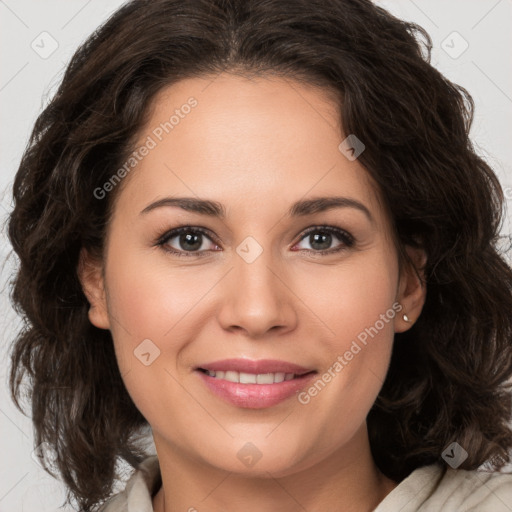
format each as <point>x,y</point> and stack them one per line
<point>481,491</point>
<point>437,488</point>
<point>138,492</point>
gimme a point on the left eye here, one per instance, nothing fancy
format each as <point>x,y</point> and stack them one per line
<point>321,238</point>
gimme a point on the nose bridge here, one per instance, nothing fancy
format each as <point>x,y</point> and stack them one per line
<point>254,273</point>
<point>256,300</point>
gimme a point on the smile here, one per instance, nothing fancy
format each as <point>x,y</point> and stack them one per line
<point>254,384</point>
<point>251,378</point>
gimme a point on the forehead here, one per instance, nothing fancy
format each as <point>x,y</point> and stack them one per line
<point>246,141</point>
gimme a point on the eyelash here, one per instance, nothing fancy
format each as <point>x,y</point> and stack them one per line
<point>343,236</point>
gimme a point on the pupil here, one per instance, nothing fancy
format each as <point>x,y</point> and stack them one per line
<point>193,241</point>
<point>323,239</point>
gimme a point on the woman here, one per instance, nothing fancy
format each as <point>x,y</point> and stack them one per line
<point>260,230</point>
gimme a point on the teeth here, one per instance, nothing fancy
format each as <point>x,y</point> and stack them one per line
<point>265,378</point>
<point>231,376</point>
<point>251,378</point>
<point>279,377</point>
<point>247,378</point>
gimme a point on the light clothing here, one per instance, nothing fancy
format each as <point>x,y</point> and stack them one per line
<point>429,489</point>
<point>426,489</point>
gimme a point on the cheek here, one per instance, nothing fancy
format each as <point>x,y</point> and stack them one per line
<point>157,302</point>
<point>352,296</point>
<point>358,306</point>
<point>368,321</point>
<point>369,305</point>
<point>151,298</point>
<point>151,314</point>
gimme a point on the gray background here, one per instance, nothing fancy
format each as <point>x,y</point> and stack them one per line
<point>37,38</point>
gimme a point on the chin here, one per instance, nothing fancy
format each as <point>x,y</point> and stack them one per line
<point>259,457</point>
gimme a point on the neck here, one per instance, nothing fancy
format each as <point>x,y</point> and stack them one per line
<point>347,476</point>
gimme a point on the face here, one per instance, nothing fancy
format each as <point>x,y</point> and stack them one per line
<point>296,297</point>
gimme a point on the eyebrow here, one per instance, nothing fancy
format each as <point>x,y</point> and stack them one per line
<point>298,209</point>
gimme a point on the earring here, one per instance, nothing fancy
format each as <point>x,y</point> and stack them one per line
<point>406,318</point>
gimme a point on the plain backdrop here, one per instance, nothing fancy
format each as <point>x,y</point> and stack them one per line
<point>472,41</point>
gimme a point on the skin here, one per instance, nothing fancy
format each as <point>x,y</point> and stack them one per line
<point>256,146</point>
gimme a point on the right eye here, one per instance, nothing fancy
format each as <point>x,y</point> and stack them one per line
<point>187,241</point>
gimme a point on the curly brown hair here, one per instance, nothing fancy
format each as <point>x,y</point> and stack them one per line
<point>448,375</point>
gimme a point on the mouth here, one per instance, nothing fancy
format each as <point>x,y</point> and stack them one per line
<point>254,384</point>
<point>253,378</point>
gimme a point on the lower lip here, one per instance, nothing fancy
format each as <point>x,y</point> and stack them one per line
<point>255,396</point>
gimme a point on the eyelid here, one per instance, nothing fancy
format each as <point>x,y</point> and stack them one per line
<point>326,227</point>
<point>173,232</point>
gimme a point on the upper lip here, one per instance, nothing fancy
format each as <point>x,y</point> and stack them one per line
<point>255,366</point>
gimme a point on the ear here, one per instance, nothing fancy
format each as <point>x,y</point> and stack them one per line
<point>90,273</point>
<point>412,289</point>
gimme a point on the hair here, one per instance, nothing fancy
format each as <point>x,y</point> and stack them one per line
<point>448,374</point>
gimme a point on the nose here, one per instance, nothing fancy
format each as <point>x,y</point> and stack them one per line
<point>257,298</point>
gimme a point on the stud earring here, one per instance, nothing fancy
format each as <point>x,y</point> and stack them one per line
<point>406,318</point>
